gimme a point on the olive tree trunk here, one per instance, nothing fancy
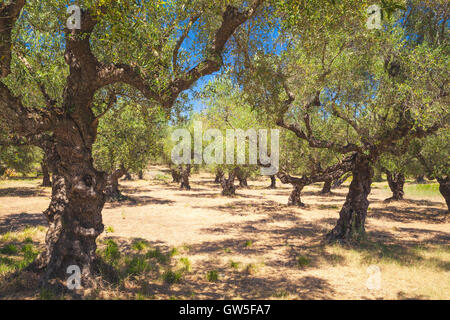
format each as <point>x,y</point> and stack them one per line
<point>273,182</point>
<point>46,182</point>
<point>74,214</point>
<point>295,196</point>
<point>228,187</point>
<point>242,178</point>
<point>112,191</point>
<point>185,173</point>
<point>326,189</point>
<point>396,182</point>
<point>352,216</point>
<point>219,176</point>
<point>444,189</point>
<point>176,175</point>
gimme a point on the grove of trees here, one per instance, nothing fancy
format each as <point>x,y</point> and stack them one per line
<point>95,103</point>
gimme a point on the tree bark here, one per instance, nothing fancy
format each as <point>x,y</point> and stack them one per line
<point>176,175</point>
<point>112,191</point>
<point>444,189</point>
<point>45,175</point>
<point>326,189</point>
<point>396,182</point>
<point>219,176</point>
<point>228,187</point>
<point>273,182</point>
<point>141,175</point>
<point>295,197</point>
<point>352,216</point>
<point>74,214</point>
<point>185,173</point>
<point>242,178</point>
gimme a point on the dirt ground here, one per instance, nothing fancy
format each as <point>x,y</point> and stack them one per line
<point>259,247</point>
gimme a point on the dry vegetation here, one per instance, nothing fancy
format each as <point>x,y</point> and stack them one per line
<point>166,243</point>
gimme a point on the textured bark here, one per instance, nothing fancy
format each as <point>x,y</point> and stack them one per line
<point>326,189</point>
<point>352,216</point>
<point>228,187</point>
<point>45,175</point>
<point>273,182</point>
<point>176,175</point>
<point>74,213</point>
<point>141,175</point>
<point>295,196</point>
<point>444,189</point>
<point>112,191</point>
<point>219,176</point>
<point>242,178</point>
<point>185,173</point>
<point>396,182</point>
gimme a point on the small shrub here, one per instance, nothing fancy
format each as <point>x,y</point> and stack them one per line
<point>158,255</point>
<point>234,265</point>
<point>303,261</point>
<point>248,243</point>
<point>109,230</point>
<point>139,245</point>
<point>172,277</point>
<point>136,266</point>
<point>186,264</point>
<point>111,252</point>
<point>212,276</point>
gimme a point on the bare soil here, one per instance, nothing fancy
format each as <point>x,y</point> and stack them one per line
<point>255,241</point>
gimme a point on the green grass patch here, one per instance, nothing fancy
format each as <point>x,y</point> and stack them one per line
<point>303,261</point>
<point>9,249</point>
<point>212,276</point>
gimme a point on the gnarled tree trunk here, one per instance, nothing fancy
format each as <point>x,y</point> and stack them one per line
<point>444,189</point>
<point>326,189</point>
<point>396,182</point>
<point>273,182</point>
<point>112,191</point>
<point>219,175</point>
<point>242,178</point>
<point>352,216</point>
<point>185,173</point>
<point>176,175</point>
<point>45,175</point>
<point>228,187</point>
<point>74,214</point>
<point>295,196</point>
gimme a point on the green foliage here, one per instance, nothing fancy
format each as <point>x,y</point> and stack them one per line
<point>130,136</point>
<point>9,249</point>
<point>172,277</point>
<point>212,276</point>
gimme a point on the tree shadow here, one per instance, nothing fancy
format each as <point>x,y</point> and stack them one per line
<point>22,192</point>
<point>18,222</point>
<point>134,201</point>
<point>408,214</point>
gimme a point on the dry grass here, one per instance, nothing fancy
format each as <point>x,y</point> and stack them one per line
<point>175,244</point>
